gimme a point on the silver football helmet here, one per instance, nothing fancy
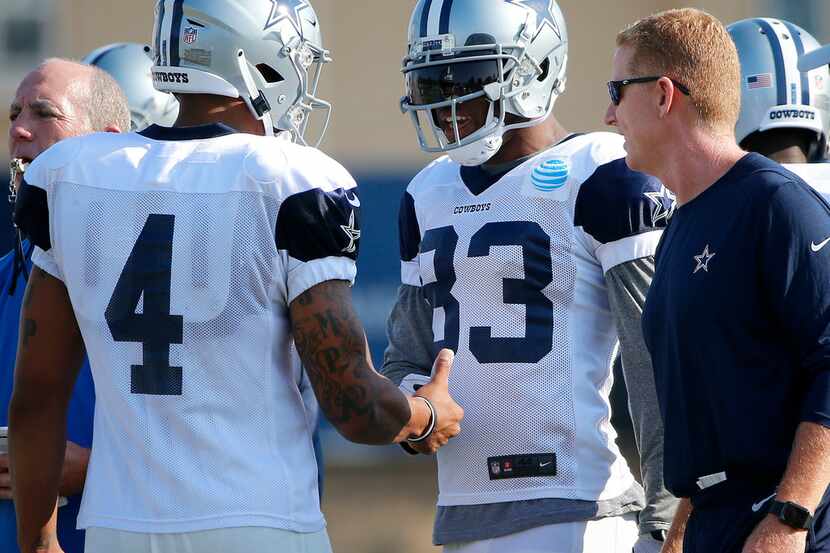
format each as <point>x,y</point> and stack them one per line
<point>267,52</point>
<point>510,53</point>
<point>129,64</point>
<point>774,92</point>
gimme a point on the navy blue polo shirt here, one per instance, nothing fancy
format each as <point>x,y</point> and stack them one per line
<point>737,322</point>
<point>79,417</point>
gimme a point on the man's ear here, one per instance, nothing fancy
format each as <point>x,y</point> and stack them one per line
<point>113,128</point>
<point>668,93</point>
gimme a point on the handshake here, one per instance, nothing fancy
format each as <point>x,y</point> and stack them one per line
<point>445,413</point>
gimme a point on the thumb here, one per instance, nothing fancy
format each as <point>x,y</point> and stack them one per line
<point>441,367</point>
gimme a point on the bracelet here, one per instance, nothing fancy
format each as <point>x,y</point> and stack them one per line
<point>430,426</point>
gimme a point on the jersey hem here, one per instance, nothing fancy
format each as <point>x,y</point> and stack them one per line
<point>46,263</point>
<point>628,249</point>
<point>214,522</point>
<point>316,271</point>
<point>583,494</point>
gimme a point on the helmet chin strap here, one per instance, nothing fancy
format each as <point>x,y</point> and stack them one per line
<point>478,152</point>
<point>254,98</point>
<point>483,149</point>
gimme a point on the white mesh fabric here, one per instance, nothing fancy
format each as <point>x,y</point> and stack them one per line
<point>234,449</point>
<point>559,404</point>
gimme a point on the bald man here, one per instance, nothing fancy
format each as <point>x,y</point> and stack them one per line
<point>57,100</point>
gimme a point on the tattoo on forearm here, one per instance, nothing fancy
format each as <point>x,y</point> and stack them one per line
<point>29,330</point>
<point>331,343</point>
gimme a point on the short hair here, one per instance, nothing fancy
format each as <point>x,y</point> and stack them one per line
<point>107,103</point>
<point>103,102</point>
<point>695,49</point>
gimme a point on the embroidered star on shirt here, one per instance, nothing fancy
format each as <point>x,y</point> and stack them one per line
<point>703,260</point>
<point>352,233</point>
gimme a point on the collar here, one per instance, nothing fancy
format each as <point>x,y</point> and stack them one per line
<point>199,132</point>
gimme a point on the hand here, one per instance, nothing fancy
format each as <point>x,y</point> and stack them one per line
<point>448,413</point>
<point>5,477</point>
<point>73,473</point>
<point>52,547</point>
<point>646,544</point>
<point>773,536</point>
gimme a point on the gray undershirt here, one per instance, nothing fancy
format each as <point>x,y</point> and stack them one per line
<point>409,330</point>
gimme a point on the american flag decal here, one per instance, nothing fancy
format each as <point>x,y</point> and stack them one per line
<point>764,80</point>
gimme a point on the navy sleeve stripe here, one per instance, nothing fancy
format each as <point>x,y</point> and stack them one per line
<point>616,202</point>
<point>409,234</point>
<point>316,224</point>
<point>31,215</point>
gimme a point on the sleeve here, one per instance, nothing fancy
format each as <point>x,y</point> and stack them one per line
<point>796,276</point>
<point>628,285</point>
<point>319,232</point>
<point>409,241</point>
<point>31,216</point>
<point>407,360</point>
<point>622,212</point>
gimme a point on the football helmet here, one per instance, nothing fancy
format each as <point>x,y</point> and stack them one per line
<point>129,64</point>
<point>774,92</point>
<point>511,54</point>
<point>267,52</point>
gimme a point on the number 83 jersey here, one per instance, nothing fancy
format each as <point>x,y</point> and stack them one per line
<point>514,274</point>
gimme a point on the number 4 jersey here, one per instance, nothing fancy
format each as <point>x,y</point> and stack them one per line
<point>514,275</point>
<point>181,250</point>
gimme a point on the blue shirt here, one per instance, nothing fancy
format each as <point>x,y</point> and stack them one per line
<point>737,321</point>
<point>79,416</point>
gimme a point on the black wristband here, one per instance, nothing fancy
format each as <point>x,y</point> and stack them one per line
<point>791,514</point>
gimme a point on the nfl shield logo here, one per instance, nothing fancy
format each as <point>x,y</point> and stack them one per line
<point>190,35</point>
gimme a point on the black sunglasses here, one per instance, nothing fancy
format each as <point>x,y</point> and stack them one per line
<point>615,87</point>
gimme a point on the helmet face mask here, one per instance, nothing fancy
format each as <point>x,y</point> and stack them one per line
<point>775,94</point>
<point>506,53</point>
<point>267,52</point>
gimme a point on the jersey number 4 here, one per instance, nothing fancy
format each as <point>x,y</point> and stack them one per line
<point>538,271</point>
<point>148,274</point>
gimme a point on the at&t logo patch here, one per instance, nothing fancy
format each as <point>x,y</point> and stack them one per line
<point>551,175</point>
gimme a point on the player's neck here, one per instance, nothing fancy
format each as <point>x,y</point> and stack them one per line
<point>197,110</point>
<point>697,161</point>
<point>528,141</point>
<point>792,154</point>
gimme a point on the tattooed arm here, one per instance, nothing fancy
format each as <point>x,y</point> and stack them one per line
<point>363,405</point>
<point>49,354</point>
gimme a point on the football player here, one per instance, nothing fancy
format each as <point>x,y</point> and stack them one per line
<point>785,108</point>
<point>526,249</point>
<point>191,261</point>
<point>130,65</point>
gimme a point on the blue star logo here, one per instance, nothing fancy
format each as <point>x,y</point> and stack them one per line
<point>543,14</point>
<point>290,10</point>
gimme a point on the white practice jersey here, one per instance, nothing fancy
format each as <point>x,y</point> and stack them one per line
<point>181,250</point>
<point>514,272</point>
<point>816,175</point>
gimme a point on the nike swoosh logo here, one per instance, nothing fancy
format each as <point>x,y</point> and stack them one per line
<point>354,202</point>
<point>816,247</point>
<point>542,465</point>
<point>757,506</point>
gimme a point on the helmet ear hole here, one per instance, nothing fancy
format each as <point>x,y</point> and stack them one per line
<point>545,70</point>
<point>268,73</point>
